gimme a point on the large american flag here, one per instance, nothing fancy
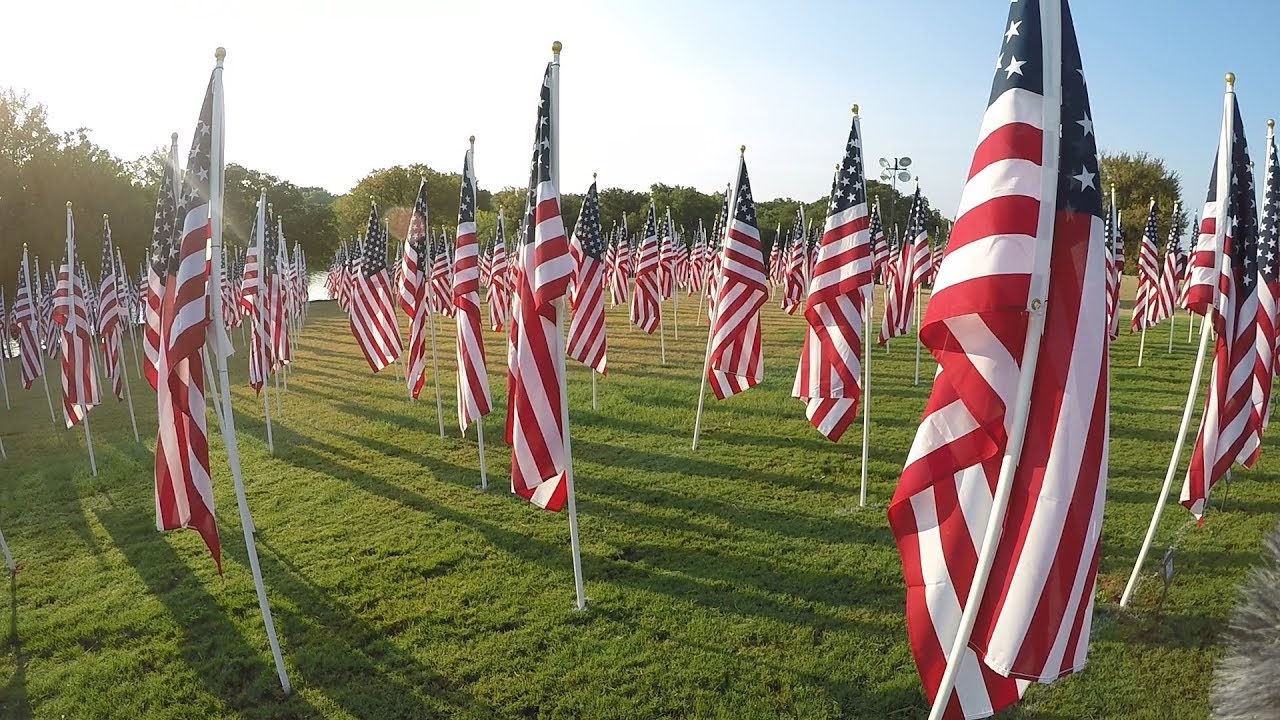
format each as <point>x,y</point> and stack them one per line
<point>109,314</point>
<point>1167,288</point>
<point>373,313</point>
<point>71,314</point>
<point>183,490</point>
<point>414,279</point>
<point>499,291</point>
<point>1265,365</point>
<point>535,415</point>
<point>1224,289</point>
<point>646,299</point>
<point>587,341</point>
<point>793,274</point>
<point>473,377</point>
<point>828,380</point>
<point>161,239</point>
<point>26,324</point>
<point>1028,239</point>
<point>1148,275</point>
<point>735,361</point>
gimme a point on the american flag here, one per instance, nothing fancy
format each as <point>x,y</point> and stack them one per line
<point>1264,368</point>
<point>231,315</point>
<point>411,263</point>
<point>1148,276</point>
<point>666,257</point>
<point>257,297</point>
<point>735,362</point>
<point>373,313</point>
<point>441,285</point>
<point>1115,264</point>
<point>535,375</point>
<point>616,263</point>
<point>473,377</point>
<point>71,313</point>
<point>414,278</point>
<point>1167,288</point>
<point>1184,261</point>
<point>27,324</point>
<point>280,285</point>
<point>1028,239</point>
<point>794,273</point>
<point>109,314</point>
<point>879,246</point>
<point>646,299</point>
<point>486,263</point>
<point>587,341</point>
<point>921,251</point>
<point>499,291</point>
<point>1224,289</point>
<point>183,490</point>
<point>828,379</point>
<point>717,257</point>
<point>775,258</point>
<point>902,281</point>
<point>52,331</point>
<point>161,239</point>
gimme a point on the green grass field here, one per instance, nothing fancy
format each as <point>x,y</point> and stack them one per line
<point>738,581</point>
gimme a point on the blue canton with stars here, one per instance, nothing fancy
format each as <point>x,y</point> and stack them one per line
<point>1241,214</point>
<point>744,210</point>
<point>1020,65</point>
<point>467,196</point>
<point>540,165</point>
<point>588,232</point>
<point>1268,263</point>
<point>847,188</point>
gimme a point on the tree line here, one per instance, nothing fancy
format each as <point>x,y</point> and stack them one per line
<point>41,169</point>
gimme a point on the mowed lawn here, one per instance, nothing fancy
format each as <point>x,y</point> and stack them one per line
<point>737,581</point>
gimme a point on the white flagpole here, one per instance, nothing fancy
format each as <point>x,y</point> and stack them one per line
<point>662,334</point>
<point>4,546</point>
<point>128,397</point>
<point>1051,24</point>
<point>868,311</point>
<point>484,475</point>
<point>1173,318</point>
<point>675,280</point>
<point>711,326</point>
<point>1206,330</point>
<point>4,373</point>
<point>918,295</point>
<point>3,454</point>
<point>560,346</point>
<point>233,451</point>
<point>44,378</point>
<point>435,364</point>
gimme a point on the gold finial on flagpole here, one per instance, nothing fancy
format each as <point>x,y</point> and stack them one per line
<point>68,204</point>
<point>104,217</point>
<point>173,137</point>
<point>1231,79</point>
<point>742,149</point>
<point>855,109</point>
<point>220,53</point>
<point>556,47</point>
<point>472,139</point>
<point>1271,123</point>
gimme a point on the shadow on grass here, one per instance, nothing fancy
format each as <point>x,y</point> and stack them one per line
<point>328,642</point>
<point>230,669</point>
<point>14,702</point>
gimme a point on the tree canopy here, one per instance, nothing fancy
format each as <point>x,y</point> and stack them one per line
<point>1137,178</point>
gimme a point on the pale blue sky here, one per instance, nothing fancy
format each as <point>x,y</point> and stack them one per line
<point>662,91</point>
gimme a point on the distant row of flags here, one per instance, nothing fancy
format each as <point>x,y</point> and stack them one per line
<point>998,512</point>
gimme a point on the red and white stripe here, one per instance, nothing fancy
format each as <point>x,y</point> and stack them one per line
<point>473,377</point>
<point>735,361</point>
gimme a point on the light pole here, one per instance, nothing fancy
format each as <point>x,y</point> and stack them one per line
<point>893,170</point>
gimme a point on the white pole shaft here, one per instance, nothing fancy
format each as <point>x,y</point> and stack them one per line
<point>44,379</point>
<point>88,442</point>
<point>233,450</point>
<point>595,399</point>
<point>484,475</point>
<point>866,397</point>
<point>662,337</point>
<point>560,357</point>
<point>1223,188</point>
<point>213,389</point>
<point>1193,393</point>
<point>266,414</point>
<point>675,298</point>
<point>4,546</point>
<point>277,373</point>
<point>1173,319</point>
<point>128,397</point>
<point>3,455</point>
<point>1142,345</point>
<point>4,374</point>
<point>1191,325</point>
<point>917,380</point>
<point>435,371</point>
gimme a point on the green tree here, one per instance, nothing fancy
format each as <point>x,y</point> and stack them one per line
<point>1137,178</point>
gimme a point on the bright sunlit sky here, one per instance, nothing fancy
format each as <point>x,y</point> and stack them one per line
<point>322,92</point>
